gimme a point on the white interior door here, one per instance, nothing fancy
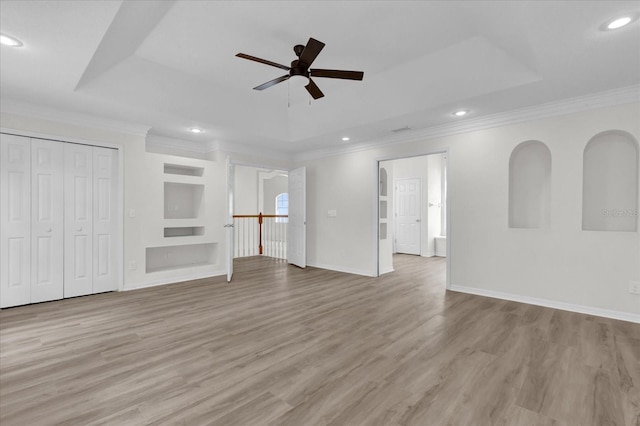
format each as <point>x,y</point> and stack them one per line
<point>78,241</point>
<point>105,220</point>
<point>297,232</point>
<point>407,216</point>
<point>47,221</point>
<point>15,220</point>
<point>229,221</point>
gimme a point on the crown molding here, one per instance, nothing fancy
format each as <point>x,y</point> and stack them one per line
<point>620,96</point>
<point>10,106</point>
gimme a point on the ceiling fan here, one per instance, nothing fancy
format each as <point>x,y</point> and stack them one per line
<point>299,69</point>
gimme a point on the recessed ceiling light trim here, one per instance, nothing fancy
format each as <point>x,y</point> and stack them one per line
<point>345,138</point>
<point>460,113</point>
<point>196,130</point>
<point>7,40</point>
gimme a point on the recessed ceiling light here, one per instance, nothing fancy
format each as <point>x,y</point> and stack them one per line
<point>619,22</point>
<point>195,130</point>
<point>10,41</point>
<point>460,113</point>
<point>345,138</point>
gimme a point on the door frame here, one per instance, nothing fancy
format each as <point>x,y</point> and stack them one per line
<point>233,163</point>
<point>120,175</point>
<point>376,208</point>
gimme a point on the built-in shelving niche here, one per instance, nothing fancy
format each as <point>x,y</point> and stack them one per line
<point>178,257</point>
<point>182,200</point>
<point>180,169</point>
<point>530,186</point>
<point>610,183</point>
<point>184,231</point>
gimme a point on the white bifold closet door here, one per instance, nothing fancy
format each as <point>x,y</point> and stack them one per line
<point>47,224</point>
<point>90,264</point>
<point>15,214</point>
<point>59,220</point>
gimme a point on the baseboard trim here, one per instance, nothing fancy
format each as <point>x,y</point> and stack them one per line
<point>581,309</point>
<point>173,280</point>
<point>386,271</point>
<point>340,269</point>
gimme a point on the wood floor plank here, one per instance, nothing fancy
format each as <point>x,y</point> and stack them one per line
<point>288,346</point>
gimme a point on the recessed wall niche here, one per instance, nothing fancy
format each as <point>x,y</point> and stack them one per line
<point>610,183</point>
<point>383,182</point>
<point>182,200</point>
<point>530,186</point>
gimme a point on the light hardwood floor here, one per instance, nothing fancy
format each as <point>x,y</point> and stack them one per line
<point>285,346</point>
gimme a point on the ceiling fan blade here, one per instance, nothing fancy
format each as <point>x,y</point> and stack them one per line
<point>346,75</point>
<point>262,61</point>
<point>272,82</point>
<point>311,51</point>
<point>314,90</point>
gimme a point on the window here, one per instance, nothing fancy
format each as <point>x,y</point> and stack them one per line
<point>282,207</point>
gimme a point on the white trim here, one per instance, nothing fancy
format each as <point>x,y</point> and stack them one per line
<point>620,96</point>
<point>581,309</point>
<point>386,271</point>
<point>341,269</point>
<point>174,280</point>
<point>74,118</point>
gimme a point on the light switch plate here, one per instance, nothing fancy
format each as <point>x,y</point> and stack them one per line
<point>332,213</point>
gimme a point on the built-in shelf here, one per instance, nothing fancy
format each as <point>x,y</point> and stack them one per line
<point>383,209</point>
<point>530,186</point>
<point>183,231</point>
<point>182,200</point>
<point>180,169</point>
<point>383,182</point>
<point>383,231</point>
<point>610,183</point>
<point>179,257</point>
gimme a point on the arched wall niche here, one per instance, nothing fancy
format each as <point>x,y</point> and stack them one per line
<point>530,186</point>
<point>610,182</point>
<point>383,182</point>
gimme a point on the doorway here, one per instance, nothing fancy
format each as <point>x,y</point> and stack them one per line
<point>412,211</point>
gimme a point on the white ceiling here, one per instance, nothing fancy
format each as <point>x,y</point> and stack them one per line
<point>170,65</point>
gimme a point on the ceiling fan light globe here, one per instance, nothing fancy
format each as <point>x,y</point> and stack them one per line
<point>298,80</point>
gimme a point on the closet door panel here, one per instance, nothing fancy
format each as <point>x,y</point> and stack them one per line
<point>105,253</point>
<point>78,212</point>
<point>47,224</point>
<point>15,220</point>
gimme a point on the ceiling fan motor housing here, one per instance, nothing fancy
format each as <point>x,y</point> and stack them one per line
<point>298,68</point>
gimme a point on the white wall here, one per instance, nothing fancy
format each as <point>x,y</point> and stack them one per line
<point>245,190</point>
<point>562,264</point>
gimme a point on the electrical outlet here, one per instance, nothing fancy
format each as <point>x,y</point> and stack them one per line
<point>133,265</point>
<point>634,287</point>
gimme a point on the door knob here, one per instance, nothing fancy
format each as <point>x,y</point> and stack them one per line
<point>48,230</point>
<point>417,220</point>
